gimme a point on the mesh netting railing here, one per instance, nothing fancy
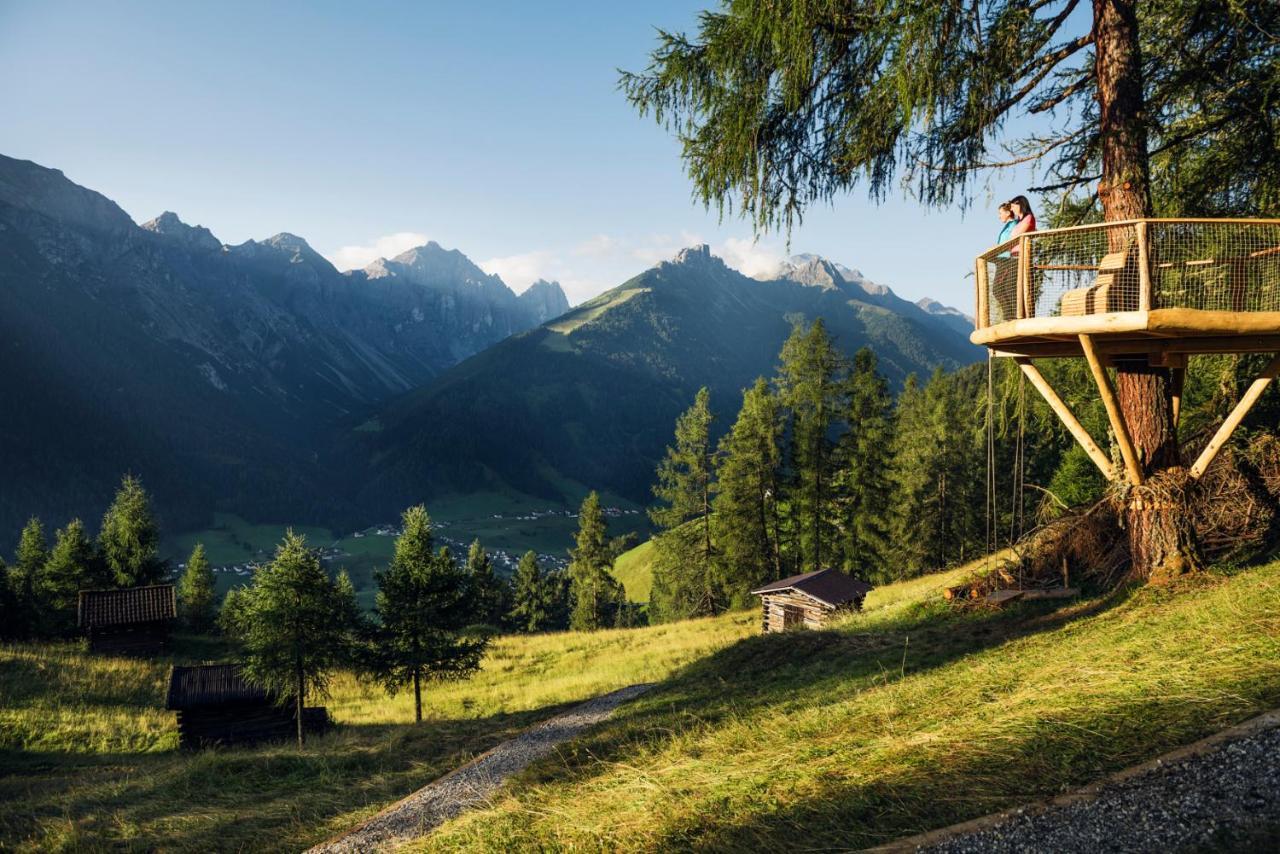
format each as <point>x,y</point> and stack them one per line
<point>1210,265</point>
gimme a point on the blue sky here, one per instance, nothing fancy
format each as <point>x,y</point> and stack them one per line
<point>495,128</point>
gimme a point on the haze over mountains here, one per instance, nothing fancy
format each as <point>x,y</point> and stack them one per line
<point>257,378</point>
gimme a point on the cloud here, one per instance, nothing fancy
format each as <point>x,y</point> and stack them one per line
<point>521,271</point>
<point>663,247</point>
<point>388,246</point>
<point>600,245</point>
<point>749,257</point>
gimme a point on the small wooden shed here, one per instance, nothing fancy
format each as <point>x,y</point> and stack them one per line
<point>135,620</point>
<point>216,705</point>
<point>809,600</point>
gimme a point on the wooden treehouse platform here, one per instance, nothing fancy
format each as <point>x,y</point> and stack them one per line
<point>1153,290</point>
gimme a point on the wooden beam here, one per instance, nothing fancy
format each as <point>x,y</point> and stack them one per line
<point>1108,394</point>
<point>1025,309</point>
<point>1179,376</point>
<point>1068,418</point>
<point>1255,390</point>
<point>984,319</point>
<point>1144,270</point>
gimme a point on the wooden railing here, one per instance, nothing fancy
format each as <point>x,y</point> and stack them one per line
<point>1223,265</point>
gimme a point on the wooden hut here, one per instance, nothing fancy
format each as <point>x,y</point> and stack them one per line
<point>810,599</point>
<point>216,705</point>
<point>134,620</point>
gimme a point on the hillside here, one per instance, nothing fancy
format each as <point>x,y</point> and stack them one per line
<point>908,716</point>
<point>214,372</point>
<point>591,397</point>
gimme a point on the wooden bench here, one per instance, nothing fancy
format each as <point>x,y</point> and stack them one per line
<point>1104,294</point>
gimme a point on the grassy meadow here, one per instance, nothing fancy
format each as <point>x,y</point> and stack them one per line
<point>908,717</point>
<point>89,758</point>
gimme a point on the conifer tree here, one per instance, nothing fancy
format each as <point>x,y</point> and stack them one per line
<point>685,566</point>
<point>424,601</point>
<point>10,616</point>
<point>491,592</point>
<point>746,507</point>
<point>533,596</point>
<point>33,553</point>
<point>864,455</point>
<point>196,591</point>
<point>811,379</point>
<point>129,538</point>
<point>292,624</point>
<point>72,566</point>
<point>594,591</point>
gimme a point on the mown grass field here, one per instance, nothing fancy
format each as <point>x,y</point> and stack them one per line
<point>634,571</point>
<point>909,717</point>
<point>89,759</point>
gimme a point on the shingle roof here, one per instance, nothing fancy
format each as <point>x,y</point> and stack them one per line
<point>830,586</point>
<point>211,685</point>
<point>131,605</point>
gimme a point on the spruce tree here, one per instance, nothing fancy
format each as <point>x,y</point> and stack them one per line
<point>533,596</point>
<point>291,623</point>
<point>424,601</point>
<point>196,594</point>
<point>33,553</point>
<point>746,506</point>
<point>129,538</point>
<point>10,616</point>
<point>491,592</point>
<point>594,591</point>
<point>72,566</point>
<point>863,456</point>
<point>811,380</point>
<point>687,581</point>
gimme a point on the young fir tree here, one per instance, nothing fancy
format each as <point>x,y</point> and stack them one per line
<point>424,601</point>
<point>533,596</point>
<point>863,456</point>
<point>72,566</point>
<point>811,379</point>
<point>129,538</point>
<point>491,592</point>
<point>10,617</point>
<point>33,554</point>
<point>196,592</point>
<point>594,591</point>
<point>292,624</point>
<point>778,108</point>
<point>746,506</point>
<point>686,577</point>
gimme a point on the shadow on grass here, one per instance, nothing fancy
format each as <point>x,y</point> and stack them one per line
<point>263,798</point>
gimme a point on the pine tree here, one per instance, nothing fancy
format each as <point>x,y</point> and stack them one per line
<point>72,566</point>
<point>746,507</point>
<point>685,555</point>
<point>533,597</point>
<point>594,591</point>
<point>863,456</point>
<point>10,616</point>
<point>291,624</point>
<point>33,554</point>
<point>424,601</point>
<point>129,538</point>
<point>196,591</point>
<point>491,592</point>
<point>810,382</point>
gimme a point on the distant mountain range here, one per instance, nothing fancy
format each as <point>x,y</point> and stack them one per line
<point>257,378</point>
<point>214,371</point>
<point>590,398</point>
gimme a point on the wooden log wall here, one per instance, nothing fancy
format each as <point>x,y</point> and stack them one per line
<point>245,723</point>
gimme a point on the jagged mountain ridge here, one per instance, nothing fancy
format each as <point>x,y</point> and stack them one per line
<point>591,397</point>
<point>213,371</point>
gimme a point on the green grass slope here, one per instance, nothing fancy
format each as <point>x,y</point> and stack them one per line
<point>634,571</point>
<point>89,759</point>
<point>908,717</point>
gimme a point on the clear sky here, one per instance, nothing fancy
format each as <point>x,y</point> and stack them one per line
<point>367,128</point>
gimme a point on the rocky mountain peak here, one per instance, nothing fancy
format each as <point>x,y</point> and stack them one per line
<point>545,299</point>
<point>695,255</point>
<point>169,225</point>
<point>30,186</point>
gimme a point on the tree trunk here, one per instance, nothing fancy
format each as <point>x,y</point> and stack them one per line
<point>1160,544</point>
<point>298,705</point>
<point>417,696</point>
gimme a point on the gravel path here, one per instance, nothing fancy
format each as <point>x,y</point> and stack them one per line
<point>1220,796</point>
<point>473,783</point>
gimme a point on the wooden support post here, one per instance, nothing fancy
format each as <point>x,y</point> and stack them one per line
<point>1024,278</point>
<point>1108,394</point>
<point>1144,270</point>
<point>984,318</point>
<point>1179,378</point>
<point>1255,390</point>
<point>1068,418</point>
